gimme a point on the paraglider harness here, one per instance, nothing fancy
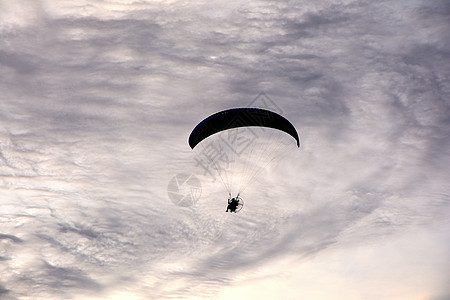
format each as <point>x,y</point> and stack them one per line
<point>234,204</point>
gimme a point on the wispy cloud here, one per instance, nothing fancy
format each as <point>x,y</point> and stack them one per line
<point>97,103</point>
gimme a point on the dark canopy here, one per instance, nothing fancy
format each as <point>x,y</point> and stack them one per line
<point>240,117</point>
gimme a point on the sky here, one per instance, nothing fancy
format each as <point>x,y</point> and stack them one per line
<point>97,102</point>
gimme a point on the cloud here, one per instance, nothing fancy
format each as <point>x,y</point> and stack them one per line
<point>98,100</point>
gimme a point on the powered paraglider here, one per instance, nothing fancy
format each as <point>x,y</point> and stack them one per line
<point>234,145</point>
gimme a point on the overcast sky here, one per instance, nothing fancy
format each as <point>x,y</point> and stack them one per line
<point>97,101</point>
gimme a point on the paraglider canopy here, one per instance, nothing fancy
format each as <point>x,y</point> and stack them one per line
<point>240,117</point>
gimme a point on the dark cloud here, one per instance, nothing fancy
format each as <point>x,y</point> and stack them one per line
<point>10,237</point>
<point>3,291</point>
<point>58,278</point>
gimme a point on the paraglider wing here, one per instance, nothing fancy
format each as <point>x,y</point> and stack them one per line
<point>240,117</point>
